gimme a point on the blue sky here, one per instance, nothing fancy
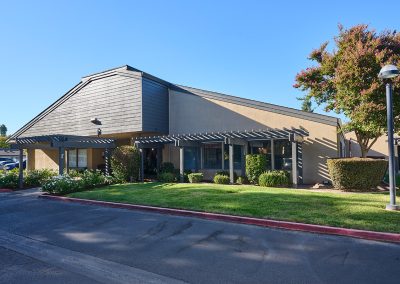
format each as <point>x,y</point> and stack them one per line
<point>251,49</point>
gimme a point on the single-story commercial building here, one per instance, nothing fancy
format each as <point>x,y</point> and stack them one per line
<point>192,128</point>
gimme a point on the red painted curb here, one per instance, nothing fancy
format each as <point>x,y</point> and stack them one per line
<point>5,190</point>
<point>362,234</point>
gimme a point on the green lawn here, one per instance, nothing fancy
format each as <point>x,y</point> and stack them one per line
<point>350,210</point>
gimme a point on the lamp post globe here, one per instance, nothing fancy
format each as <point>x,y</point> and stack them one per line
<point>387,73</point>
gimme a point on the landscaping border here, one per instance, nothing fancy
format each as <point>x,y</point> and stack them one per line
<point>354,233</point>
<point>5,190</point>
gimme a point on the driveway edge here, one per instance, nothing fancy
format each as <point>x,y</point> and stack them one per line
<point>361,234</point>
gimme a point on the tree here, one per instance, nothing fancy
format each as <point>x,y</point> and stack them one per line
<point>346,80</point>
<point>306,105</point>
<point>3,143</point>
<point>3,130</point>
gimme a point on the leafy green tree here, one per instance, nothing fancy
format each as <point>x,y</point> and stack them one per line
<point>3,130</point>
<point>3,143</point>
<point>346,80</point>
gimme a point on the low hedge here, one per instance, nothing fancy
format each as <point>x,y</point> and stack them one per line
<point>358,174</point>
<point>195,177</point>
<point>274,179</point>
<point>221,179</point>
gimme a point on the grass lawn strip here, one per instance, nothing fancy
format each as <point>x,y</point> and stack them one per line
<point>364,211</point>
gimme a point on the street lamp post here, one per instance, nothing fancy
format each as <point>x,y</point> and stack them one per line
<point>387,73</point>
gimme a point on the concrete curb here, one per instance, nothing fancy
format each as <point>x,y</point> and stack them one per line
<point>5,190</point>
<point>354,233</point>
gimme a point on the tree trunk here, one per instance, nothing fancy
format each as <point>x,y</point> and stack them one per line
<point>365,143</point>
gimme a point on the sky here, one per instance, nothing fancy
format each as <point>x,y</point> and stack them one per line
<point>249,48</point>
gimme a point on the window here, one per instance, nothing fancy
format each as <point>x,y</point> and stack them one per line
<point>190,156</point>
<point>237,156</point>
<point>283,155</point>
<point>77,158</point>
<point>213,156</point>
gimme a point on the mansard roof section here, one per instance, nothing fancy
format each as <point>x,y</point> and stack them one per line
<point>320,118</point>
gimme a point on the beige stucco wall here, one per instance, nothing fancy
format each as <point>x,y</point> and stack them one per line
<point>379,149</point>
<point>190,114</point>
<point>42,159</point>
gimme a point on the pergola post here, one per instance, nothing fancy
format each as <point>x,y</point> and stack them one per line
<point>107,161</point>
<point>141,173</point>
<point>61,160</point>
<point>295,173</point>
<point>21,168</point>
<point>272,155</point>
<point>231,172</point>
<point>182,163</point>
<point>159,158</point>
<point>244,159</point>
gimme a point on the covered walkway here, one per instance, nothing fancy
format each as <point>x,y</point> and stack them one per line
<point>61,143</point>
<point>245,139</point>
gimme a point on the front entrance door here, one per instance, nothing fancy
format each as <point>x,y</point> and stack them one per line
<point>151,162</point>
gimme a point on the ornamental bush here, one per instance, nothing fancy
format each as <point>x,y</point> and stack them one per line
<point>60,185</point>
<point>274,179</point>
<point>255,166</point>
<point>195,177</point>
<point>356,174</point>
<point>125,163</point>
<point>226,173</point>
<point>9,179</point>
<point>167,177</point>
<point>92,179</point>
<point>35,178</point>
<point>242,180</point>
<point>221,179</point>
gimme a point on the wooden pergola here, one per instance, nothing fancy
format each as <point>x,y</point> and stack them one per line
<point>231,138</point>
<point>61,143</point>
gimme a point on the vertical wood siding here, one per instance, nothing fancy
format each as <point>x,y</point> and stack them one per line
<point>155,106</point>
<point>115,100</point>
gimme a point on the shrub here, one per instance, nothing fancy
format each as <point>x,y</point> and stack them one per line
<point>75,173</point>
<point>167,167</point>
<point>242,180</point>
<point>359,174</point>
<point>186,174</point>
<point>60,185</point>
<point>36,178</point>
<point>9,179</point>
<point>221,179</point>
<point>125,163</point>
<point>195,177</point>
<point>255,166</point>
<point>226,173</point>
<point>91,179</point>
<point>274,178</point>
<point>167,177</point>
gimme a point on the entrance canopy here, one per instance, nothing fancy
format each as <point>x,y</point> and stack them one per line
<point>64,141</point>
<point>60,143</point>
